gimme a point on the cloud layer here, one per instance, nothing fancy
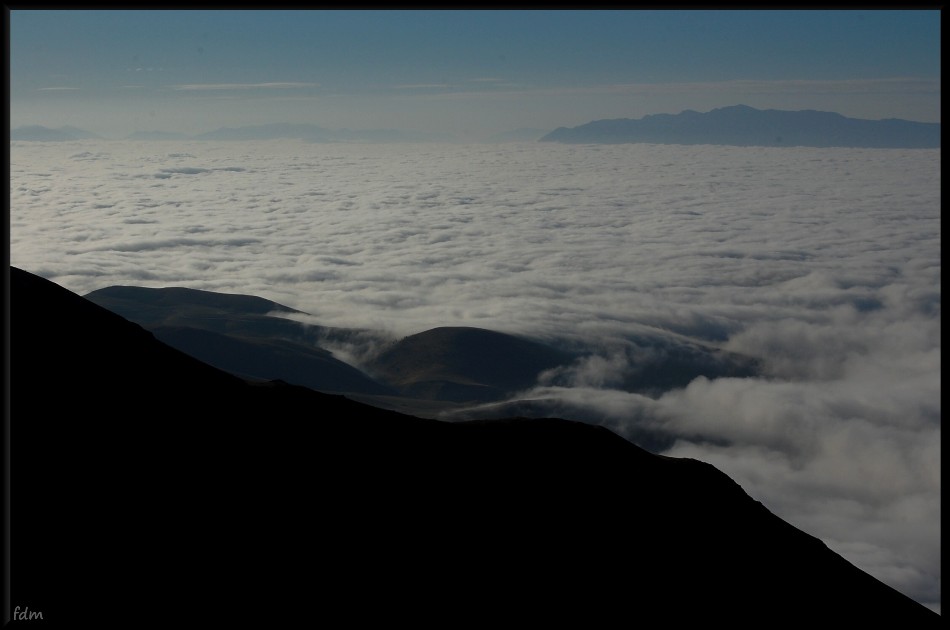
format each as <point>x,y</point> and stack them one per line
<point>823,264</point>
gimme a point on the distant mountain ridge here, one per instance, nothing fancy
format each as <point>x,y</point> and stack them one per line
<point>741,125</point>
<point>736,125</point>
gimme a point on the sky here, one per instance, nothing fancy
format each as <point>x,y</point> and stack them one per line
<point>822,264</point>
<point>469,73</point>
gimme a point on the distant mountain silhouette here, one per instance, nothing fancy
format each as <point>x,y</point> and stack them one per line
<point>741,125</point>
<point>38,133</point>
<point>148,485</point>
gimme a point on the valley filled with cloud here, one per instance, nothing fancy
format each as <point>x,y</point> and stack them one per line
<point>821,265</point>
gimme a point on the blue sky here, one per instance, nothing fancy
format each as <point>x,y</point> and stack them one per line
<point>466,72</point>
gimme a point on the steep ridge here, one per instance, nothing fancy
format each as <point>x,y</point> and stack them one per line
<point>146,485</point>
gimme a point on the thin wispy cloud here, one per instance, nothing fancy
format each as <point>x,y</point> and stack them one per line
<point>421,86</point>
<point>58,89</point>
<point>243,86</point>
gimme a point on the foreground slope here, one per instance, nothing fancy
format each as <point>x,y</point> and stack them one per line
<point>148,486</point>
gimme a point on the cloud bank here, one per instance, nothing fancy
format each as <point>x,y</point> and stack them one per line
<point>821,264</point>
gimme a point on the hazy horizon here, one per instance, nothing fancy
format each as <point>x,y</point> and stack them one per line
<point>468,73</point>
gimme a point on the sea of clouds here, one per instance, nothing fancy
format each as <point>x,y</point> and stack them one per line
<point>823,264</point>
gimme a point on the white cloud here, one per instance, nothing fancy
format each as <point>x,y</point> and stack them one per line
<point>824,264</point>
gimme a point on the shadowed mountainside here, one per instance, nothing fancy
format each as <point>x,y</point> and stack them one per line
<point>270,359</point>
<point>428,373</point>
<point>464,364</point>
<point>148,485</point>
<point>741,125</point>
<point>156,306</point>
<point>237,333</point>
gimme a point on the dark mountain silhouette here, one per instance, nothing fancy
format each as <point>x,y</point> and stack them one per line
<point>151,307</point>
<point>741,125</point>
<point>237,333</point>
<point>476,365</point>
<point>430,374</point>
<point>38,133</point>
<point>146,485</point>
<point>271,359</point>
<point>464,364</point>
